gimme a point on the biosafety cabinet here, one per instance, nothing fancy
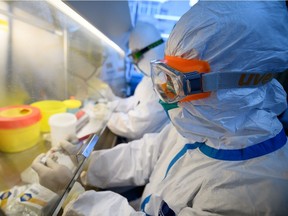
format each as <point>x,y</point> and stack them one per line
<point>48,54</point>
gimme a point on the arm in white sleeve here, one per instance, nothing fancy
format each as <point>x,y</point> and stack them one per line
<point>106,203</point>
<point>140,94</point>
<point>126,104</point>
<point>126,164</point>
<point>147,117</point>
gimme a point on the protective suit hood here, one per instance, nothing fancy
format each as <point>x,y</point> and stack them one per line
<point>233,36</point>
<point>141,36</point>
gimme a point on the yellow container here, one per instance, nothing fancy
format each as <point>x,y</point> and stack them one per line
<point>72,105</point>
<point>19,128</point>
<point>49,108</point>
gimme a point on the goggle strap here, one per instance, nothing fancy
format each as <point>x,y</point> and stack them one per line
<point>155,44</point>
<point>227,80</point>
<point>149,47</point>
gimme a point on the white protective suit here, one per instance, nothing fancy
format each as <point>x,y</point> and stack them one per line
<point>141,113</point>
<point>224,155</point>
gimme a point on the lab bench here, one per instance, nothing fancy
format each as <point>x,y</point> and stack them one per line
<point>14,164</point>
<point>48,53</point>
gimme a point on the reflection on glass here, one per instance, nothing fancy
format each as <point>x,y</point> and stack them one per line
<point>47,55</point>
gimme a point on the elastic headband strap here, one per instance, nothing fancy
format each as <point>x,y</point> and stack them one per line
<point>227,80</point>
<point>219,80</point>
<point>140,52</point>
<point>187,65</point>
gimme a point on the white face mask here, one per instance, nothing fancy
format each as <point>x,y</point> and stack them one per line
<point>184,122</point>
<point>174,113</point>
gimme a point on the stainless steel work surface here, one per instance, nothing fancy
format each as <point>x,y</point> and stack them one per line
<point>13,164</point>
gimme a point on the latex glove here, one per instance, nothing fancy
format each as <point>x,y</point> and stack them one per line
<point>52,175</point>
<point>100,111</point>
<point>112,105</point>
<point>71,148</point>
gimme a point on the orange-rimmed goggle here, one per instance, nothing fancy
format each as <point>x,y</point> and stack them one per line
<point>176,79</point>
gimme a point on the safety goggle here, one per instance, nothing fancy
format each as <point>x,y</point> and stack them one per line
<point>137,55</point>
<point>172,85</point>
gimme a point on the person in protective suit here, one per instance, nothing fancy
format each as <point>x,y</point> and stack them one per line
<point>141,113</point>
<point>225,152</point>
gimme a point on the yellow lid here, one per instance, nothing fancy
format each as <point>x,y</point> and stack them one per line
<point>72,103</point>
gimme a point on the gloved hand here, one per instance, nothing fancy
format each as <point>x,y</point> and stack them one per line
<point>72,150</point>
<point>100,111</point>
<point>112,105</point>
<point>51,174</point>
<point>70,147</point>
